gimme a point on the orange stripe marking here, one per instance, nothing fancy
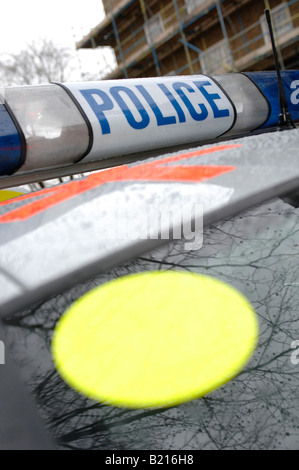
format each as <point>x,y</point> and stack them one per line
<point>152,171</point>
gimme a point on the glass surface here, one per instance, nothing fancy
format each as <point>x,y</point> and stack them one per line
<point>55,131</point>
<point>257,253</point>
<point>252,108</point>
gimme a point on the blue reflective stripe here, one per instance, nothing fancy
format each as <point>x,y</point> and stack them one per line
<point>267,83</point>
<point>10,144</point>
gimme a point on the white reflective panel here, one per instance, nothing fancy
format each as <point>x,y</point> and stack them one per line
<point>252,108</point>
<point>55,131</point>
<point>133,115</point>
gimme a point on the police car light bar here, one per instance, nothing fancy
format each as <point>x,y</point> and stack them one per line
<point>57,125</point>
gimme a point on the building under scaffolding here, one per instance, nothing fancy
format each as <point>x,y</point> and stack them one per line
<point>174,37</point>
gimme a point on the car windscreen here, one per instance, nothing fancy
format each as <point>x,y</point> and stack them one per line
<point>257,253</point>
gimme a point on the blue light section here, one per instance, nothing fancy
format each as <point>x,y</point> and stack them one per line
<point>267,83</point>
<point>10,144</point>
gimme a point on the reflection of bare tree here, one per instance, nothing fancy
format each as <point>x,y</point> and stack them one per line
<point>255,252</point>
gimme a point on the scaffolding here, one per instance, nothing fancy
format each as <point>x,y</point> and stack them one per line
<point>151,37</point>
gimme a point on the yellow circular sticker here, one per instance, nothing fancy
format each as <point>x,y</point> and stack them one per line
<point>154,339</point>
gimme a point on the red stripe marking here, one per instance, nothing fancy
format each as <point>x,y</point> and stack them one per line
<point>152,171</point>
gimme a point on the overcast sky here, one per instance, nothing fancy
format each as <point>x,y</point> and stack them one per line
<point>64,21</point>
